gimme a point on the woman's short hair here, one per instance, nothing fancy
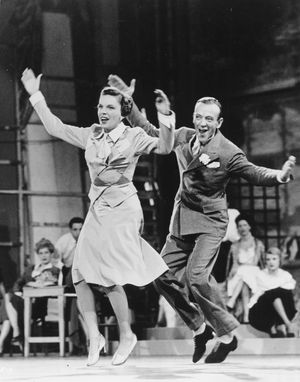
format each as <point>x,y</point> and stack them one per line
<point>245,217</point>
<point>126,101</point>
<point>274,251</point>
<point>44,243</point>
<point>75,220</point>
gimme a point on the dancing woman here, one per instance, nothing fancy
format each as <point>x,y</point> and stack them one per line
<point>110,251</point>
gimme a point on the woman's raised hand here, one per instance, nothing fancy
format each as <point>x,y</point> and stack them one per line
<point>162,102</point>
<point>30,81</point>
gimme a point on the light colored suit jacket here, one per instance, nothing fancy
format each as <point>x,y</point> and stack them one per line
<point>200,203</point>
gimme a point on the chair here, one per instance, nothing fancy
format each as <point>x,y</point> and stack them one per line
<point>51,291</point>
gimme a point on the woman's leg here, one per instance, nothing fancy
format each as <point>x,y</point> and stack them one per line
<point>245,302</point>
<point>86,301</point>
<point>278,306</point>
<point>4,333</point>
<point>119,303</point>
<point>12,315</point>
<point>235,294</point>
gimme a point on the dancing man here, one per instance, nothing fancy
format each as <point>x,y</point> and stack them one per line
<point>207,161</point>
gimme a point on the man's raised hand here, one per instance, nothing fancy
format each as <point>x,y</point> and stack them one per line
<point>117,82</point>
<point>287,169</point>
<point>162,102</point>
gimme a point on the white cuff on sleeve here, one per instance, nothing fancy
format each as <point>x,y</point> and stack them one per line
<point>280,180</point>
<point>35,98</point>
<point>167,120</point>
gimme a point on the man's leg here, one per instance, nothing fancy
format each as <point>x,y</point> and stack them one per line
<point>207,294</point>
<point>203,285</point>
<point>175,253</point>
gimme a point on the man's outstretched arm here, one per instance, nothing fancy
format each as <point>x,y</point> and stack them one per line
<point>136,117</point>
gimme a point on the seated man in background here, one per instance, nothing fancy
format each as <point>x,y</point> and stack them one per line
<point>65,248</point>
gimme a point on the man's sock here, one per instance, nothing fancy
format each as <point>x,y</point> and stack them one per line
<point>226,338</point>
<point>200,330</point>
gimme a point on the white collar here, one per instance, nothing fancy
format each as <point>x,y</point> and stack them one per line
<point>42,266</point>
<point>39,268</point>
<point>114,134</point>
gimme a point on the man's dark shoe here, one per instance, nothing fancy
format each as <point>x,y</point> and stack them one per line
<point>221,351</point>
<point>200,343</point>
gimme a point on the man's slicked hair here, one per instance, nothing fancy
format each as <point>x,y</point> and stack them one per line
<point>210,101</point>
<point>75,220</point>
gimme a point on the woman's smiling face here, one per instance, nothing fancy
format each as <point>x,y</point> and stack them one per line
<point>109,112</point>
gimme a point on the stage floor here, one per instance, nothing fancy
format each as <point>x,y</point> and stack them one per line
<point>151,369</point>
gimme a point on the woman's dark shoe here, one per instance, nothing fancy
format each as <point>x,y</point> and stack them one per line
<point>221,351</point>
<point>280,334</point>
<point>290,334</point>
<point>17,341</point>
<point>200,343</point>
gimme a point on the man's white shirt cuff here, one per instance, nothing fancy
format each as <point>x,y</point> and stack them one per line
<point>35,98</point>
<point>167,120</point>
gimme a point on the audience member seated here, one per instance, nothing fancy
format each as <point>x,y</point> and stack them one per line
<point>247,258</point>
<point>65,249</point>
<point>43,274</point>
<point>272,307</point>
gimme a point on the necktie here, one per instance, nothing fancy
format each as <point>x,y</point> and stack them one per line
<point>196,147</point>
<point>104,147</point>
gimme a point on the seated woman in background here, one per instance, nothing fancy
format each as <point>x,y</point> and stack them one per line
<point>272,307</point>
<point>43,274</point>
<point>247,256</point>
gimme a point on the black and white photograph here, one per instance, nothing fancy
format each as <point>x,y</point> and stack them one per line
<point>149,190</point>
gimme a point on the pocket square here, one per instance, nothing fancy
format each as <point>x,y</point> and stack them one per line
<point>213,165</point>
<point>204,158</point>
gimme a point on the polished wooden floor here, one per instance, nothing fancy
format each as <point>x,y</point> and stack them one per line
<point>236,368</point>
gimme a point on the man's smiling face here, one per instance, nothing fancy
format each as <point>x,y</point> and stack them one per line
<point>206,119</point>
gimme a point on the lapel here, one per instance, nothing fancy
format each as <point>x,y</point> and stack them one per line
<point>97,132</point>
<point>211,149</point>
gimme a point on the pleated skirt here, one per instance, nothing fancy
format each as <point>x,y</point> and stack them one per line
<point>110,250</point>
